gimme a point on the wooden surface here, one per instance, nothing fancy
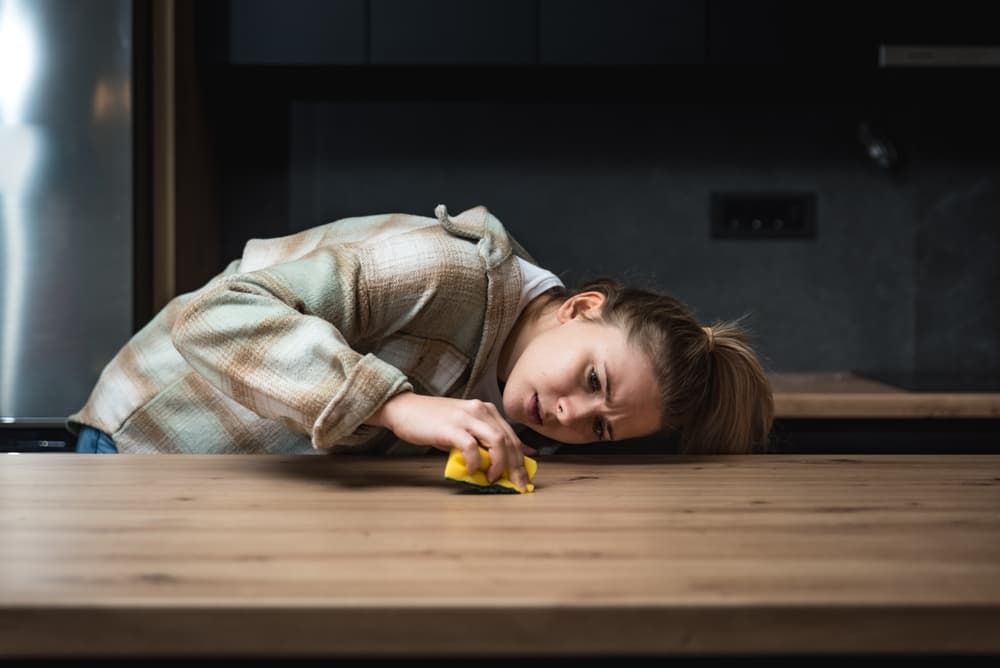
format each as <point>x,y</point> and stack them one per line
<point>219,555</point>
<point>844,395</point>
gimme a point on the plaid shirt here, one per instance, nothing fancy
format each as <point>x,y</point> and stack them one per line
<point>296,344</point>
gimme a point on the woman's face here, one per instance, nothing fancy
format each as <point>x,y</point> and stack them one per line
<point>558,385</point>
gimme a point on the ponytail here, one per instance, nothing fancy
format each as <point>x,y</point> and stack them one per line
<point>735,410</point>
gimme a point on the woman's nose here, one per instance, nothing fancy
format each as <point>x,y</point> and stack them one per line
<point>572,409</point>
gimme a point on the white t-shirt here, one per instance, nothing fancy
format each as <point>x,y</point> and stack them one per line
<point>536,281</point>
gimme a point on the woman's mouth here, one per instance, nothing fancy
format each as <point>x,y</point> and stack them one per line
<point>535,409</point>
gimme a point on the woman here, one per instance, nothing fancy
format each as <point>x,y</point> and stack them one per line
<point>394,333</point>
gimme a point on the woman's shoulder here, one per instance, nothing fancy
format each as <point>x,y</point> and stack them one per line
<point>357,230</point>
<point>473,238</point>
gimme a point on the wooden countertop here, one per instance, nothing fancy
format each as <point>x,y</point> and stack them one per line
<point>225,555</point>
<point>844,395</point>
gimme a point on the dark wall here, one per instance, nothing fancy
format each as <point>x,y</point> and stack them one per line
<point>599,176</point>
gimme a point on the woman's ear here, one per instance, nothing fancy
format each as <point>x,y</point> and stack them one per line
<point>586,304</point>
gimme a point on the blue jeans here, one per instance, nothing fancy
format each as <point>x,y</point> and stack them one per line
<point>95,442</point>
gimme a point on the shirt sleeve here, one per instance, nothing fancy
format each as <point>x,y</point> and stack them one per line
<point>281,341</point>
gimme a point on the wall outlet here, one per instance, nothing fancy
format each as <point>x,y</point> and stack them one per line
<point>763,215</point>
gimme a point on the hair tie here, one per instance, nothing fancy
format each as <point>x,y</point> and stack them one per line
<point>711,338</point>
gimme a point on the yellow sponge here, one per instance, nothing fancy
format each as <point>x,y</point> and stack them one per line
<point>456,470</point>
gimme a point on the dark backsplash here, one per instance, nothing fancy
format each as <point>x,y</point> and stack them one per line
<point>904,273</point>
<point>597,177</point>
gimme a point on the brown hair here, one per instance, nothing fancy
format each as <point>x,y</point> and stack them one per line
<point>720,399</point>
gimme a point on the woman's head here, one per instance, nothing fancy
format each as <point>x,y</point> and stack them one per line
<point>663,375</point>
<point>575,379</point>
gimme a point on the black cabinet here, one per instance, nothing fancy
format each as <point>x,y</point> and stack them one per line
<point>952,23</point>
<point>621,32</point>
<point>819,34</point>
<point>961,34</point>
<point>453,32</point>
<point>297,32</point>
<point>840,34</point>
<point>462,32</point>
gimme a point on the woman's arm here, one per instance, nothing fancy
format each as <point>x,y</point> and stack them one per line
<point>279,341</point>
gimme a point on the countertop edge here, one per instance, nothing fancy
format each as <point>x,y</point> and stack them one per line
<point>528,631</point>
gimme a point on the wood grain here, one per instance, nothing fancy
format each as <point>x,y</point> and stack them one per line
<point>844,395</point>
<point>351,556</point>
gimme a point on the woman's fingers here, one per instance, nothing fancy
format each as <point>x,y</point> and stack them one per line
<point>467,444</point>
<point>518,472</point>
<point>505,452</point>
<point>495,440</point>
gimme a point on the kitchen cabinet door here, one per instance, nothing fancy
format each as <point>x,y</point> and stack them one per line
<point>453,32</point>
<point>830,35</point>
<point>622,32</point>
<point>297,32</point>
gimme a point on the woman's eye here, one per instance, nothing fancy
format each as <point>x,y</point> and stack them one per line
<point>595,385</point>
<point>595,382</point>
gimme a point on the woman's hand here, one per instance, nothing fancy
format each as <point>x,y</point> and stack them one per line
<point>445,423</point>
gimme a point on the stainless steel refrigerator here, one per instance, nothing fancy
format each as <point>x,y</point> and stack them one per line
<point>67,223</point>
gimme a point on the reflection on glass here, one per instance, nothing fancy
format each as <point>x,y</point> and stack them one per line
<point>18,159</point>
<point>17,59</point>
<point>65,201</point>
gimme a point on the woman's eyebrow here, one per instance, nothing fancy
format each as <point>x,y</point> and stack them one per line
<point>607,397</point>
